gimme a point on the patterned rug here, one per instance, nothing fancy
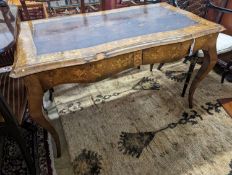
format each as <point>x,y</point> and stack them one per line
<point>37,141</point>
<point>137,123</point>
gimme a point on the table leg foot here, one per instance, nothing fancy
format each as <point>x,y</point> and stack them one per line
<point>208,63</point>
<point>35,98</point>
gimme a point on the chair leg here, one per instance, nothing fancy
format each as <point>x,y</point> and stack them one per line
<point>224,76</point>
<point>10,127</point>
<point>160,66</point>
<point>189,74</point>
<point>226,72</point>
<point>151,67</point>
<point>17,135</point>
<point>186,60</point>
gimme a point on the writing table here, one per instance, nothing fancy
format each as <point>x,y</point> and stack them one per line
<point>90,47</point>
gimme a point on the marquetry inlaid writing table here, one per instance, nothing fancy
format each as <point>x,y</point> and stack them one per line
<point>90,47</point>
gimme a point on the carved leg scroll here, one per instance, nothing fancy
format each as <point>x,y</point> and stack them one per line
<point>35,98</point>
<point>208,63</point>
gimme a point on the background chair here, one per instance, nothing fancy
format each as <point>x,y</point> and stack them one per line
<point>224,42</point>
<point>13,106</point>
<point>113,4</point>
<point>32,10</point>
<point>68,7</point>
<point>126,3</point>
<point>7,54</point>
<point>13,102</point>
<point>224,51</point>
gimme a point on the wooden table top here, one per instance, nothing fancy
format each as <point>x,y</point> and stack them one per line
<point>67,41</point>
<point>7,30</point>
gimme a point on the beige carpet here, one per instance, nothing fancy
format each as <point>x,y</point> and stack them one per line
<point>136,123</point>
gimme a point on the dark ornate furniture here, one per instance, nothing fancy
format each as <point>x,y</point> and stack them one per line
<point>200,8</point>
<point>13,105</point>
<point>8,33</point>
<point>227,65</point>
<point>32,10</point>
<point>123,3</point>
<point>47,59</point>
<point>58,8</point>
<point>13,101</point>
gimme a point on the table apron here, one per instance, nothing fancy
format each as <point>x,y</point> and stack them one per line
<point>99,70</point>
<point>176,51</point>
